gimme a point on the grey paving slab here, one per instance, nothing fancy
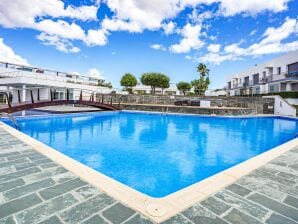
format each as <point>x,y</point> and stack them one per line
<point>237,189</point>
<point>51,220</point>
<point>138,219</point>
<point>178,219</point>
<point>45,209</point>
<point>11,184</point>
<point>34,189</point>
<point>235,216</point>
<point>243,204</point>
<point>215,205</point>
<point>289,200</point>
<point>95,220</point>
<point>118,213</point>
<point>86,208</point>
<point>275,206</point>
<point>61,188</point>
<point>7,220</point>
<point>29,188</point>
<point>19,204</point>
<point>200,215</point>
<point>278,219</point>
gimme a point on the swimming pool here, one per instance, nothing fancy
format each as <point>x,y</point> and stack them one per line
<point>158,154</point>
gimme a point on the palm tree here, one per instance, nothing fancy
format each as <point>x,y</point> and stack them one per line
<point>203,70</point>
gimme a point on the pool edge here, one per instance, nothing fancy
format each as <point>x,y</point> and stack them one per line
<point>157,209</point>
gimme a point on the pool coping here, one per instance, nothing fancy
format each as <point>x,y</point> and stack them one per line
<point>157,209</point>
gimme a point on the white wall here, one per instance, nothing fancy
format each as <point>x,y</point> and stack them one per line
<point>282,107</point>
<point>293,101</point>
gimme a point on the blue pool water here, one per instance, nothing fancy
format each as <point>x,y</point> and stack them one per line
<point>158,154</point>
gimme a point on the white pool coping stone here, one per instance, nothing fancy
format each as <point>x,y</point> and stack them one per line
<point>157,209</point>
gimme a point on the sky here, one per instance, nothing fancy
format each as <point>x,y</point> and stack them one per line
<point>108,38</point>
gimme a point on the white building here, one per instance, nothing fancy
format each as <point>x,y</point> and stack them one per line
<point>21,80</point>
<point>142,89</point>
<point>216,92</point>
<point>277,75</point>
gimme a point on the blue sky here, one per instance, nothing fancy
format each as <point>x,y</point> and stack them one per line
<point>111,37</point>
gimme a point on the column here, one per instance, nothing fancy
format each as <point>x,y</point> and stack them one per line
<point>288,87</point>
<point>23,97</point>
<point>23,93</point>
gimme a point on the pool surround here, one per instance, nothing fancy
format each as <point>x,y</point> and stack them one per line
<point>157,209</point>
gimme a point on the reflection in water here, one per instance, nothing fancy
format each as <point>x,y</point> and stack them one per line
<point>159,154</point>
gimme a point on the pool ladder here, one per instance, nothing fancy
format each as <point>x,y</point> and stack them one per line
<point>13,120</point>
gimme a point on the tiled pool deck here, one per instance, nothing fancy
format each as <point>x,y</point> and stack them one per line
<point>33,189</point>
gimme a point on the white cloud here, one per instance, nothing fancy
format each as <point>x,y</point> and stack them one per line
<point>23,13</point>
<point>49,16</point>
<point>60,44</point>
<point>8,55</point>
<point>169,27</point>
<point>251,7</point>
<point>158,47</point>
<point>273,42</point>
<point>137,15</point>
<point>96,37</point>
<point>94,73</point>
<point>38,15</point>
<point>61,28</point>
<point>190,39</point>
<point>214,48</point>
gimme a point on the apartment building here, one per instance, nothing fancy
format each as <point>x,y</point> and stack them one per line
<point>22,81</point>
<point>277,75</point>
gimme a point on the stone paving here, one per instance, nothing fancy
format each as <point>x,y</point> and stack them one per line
<point>34,189</point>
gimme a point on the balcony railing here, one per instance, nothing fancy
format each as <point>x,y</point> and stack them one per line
<point>49,74</point>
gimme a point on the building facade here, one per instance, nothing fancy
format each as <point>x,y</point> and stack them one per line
<point>277,75</point>
<point>22,81</point>
<point>142,89</point>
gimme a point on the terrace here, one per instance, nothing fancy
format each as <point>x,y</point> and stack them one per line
<point>36,189</point>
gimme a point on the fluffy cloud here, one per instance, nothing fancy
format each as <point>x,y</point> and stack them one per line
<point>158,47</point>
<point>39,15</point>
<point>214,48</point>
<point>23,13</point>
<point>94,73</point>
<point>169,28</point>
<point>190,39</point>
<point>273,42</point>
<point>251,7</point>
<point>8,55</point>
<point>59,20</point>
<point>60,44</point>
<point>137,15</point>
<point>96,37</point>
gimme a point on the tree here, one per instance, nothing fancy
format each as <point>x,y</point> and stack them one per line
<point>103,83</point>
<point>155,80</point>
<point>201,85</point>
<point>203,70</point>
<point>128,81</point>
<point>183,86</point>
<point>164,82</point>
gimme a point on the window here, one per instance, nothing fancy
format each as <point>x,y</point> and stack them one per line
<point>255,78</point>
<point>278,70</point>
<point>293,69</point>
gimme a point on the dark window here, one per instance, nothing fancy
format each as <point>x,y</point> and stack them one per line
<point>278,70</point>
<point>255,78</point>
<point>229,85</point>
<point>246,81</point>
<point>293,69</point>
